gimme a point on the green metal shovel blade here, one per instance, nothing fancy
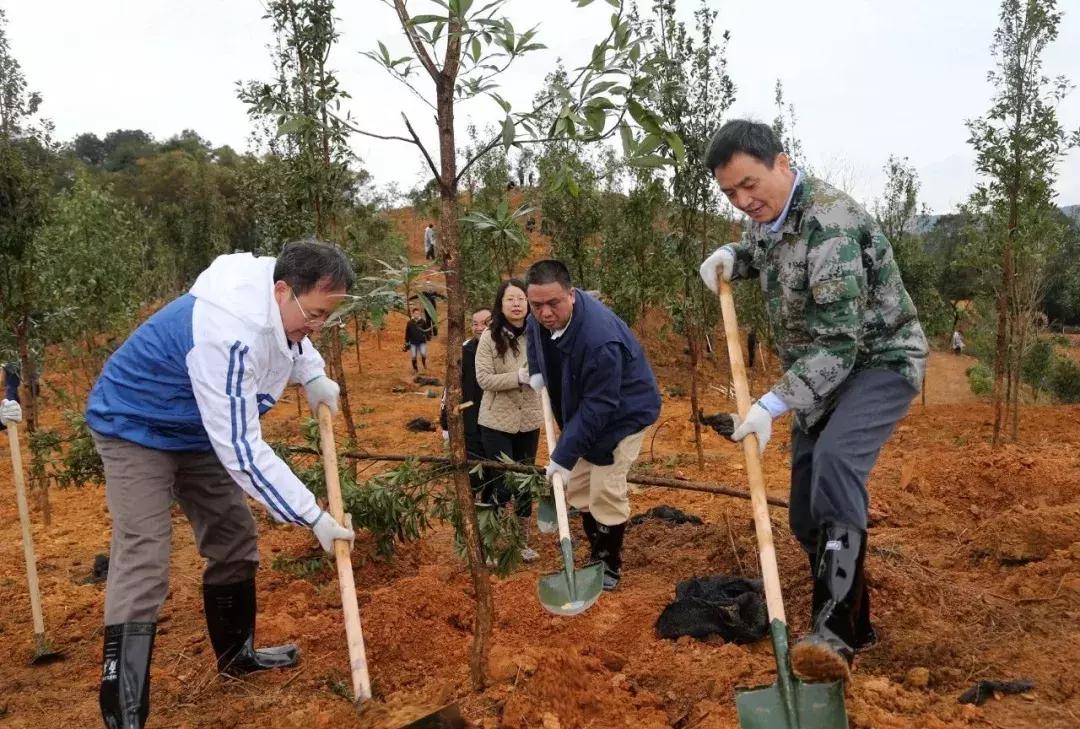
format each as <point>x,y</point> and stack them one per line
<point>571,591</point>
<point>817,706</point>
<point>546,519</point>
<point>790,703</point>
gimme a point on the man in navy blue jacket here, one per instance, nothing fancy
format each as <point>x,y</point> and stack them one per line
<point>604,396</point>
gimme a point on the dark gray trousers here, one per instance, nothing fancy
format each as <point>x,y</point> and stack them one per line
<point>140,485</point>
<point>830,465</point>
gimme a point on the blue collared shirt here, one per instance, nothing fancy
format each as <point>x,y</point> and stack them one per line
<point>776,225</point>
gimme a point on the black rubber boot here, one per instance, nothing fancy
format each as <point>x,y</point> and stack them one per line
<point>230,620</point>
<point>865,635</point>
<point>839,592</point>
<point>609,541</point>
<point>589,525</point>
<point>125,675</point>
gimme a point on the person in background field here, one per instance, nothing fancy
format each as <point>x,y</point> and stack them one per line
<point>510,414</point>
<point>957,342</point>
<point>429,242</point>
<point>175,417</point>
<point>854,356</point>
<point>604,396</point>
<point>470,393</point>
<point>416,339</point>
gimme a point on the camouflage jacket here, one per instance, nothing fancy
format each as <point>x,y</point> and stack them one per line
<point>835,300</point>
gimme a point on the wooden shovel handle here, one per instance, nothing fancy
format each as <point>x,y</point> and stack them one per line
<point>557,486</point>
<point>27,536</point>
<point>770,574</point>
<point>354,633</point>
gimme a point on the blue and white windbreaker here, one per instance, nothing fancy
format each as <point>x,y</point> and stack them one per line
<point>197,375</point>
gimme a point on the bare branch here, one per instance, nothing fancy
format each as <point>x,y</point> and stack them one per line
<point>423,149</point>
<point>399,77</point>
<point>414,40</point>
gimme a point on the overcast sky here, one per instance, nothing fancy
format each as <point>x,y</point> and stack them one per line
<point>867,77</point>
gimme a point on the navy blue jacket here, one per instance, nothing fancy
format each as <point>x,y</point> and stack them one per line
<point>607,387</point>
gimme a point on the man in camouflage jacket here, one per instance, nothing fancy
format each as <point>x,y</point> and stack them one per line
<point>853,354</point>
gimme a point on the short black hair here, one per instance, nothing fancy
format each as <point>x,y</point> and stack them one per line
<point>310,263</point>
<point>548,271</point>
<point>742,135</point>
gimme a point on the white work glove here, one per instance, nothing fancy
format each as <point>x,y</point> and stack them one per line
<point>553,468</point>
<point>446,436</point>
<point>723,261</point>
<point>523,377</point>
<point>536,382</point>
<point>327,530</point>
<point>10,412</point>
<point>322,389</point>
<point>758,421</point>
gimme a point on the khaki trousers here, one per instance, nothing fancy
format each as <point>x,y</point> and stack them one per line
<point>602,490</point>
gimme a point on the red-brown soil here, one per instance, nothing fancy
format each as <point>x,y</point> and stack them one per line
<point>972,568</point>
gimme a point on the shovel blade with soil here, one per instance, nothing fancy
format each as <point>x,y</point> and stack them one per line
<point>571,591</point>
<point>790,703</point>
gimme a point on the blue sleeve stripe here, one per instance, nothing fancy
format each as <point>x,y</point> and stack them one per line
<point>293,517</point>
<point>233,397</point>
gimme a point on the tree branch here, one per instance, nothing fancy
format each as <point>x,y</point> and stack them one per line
<point>632,477</point>
<point>414,40</point>
<point>423,149</point>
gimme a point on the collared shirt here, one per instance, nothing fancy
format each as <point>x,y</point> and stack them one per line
<point>559,332</point>
<point>777,224</point>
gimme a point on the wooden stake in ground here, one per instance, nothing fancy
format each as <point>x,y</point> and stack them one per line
<point>354,633</point>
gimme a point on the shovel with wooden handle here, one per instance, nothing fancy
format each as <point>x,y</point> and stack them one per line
<point>789,703</point>
<point>448,717</point>
<point>569,591</point>
<point>43,652</point>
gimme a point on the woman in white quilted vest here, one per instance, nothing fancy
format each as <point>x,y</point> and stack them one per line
<point>510,414</point>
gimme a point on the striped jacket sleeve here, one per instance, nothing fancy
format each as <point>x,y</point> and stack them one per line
<point>223,380</point>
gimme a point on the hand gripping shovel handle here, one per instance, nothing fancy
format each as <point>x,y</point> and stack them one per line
<point>354,633</point>
<point>27,536</point>
<point>770,574</point>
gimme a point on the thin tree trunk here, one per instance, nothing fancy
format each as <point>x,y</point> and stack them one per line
<point>455,313</point>
<point>1001,342</point>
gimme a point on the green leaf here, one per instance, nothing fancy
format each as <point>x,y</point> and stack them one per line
<point>651,161</point>
<point>425,19</point>
<point>677,148</point>
<point>508,131</point>
<point>596,118</point>
<point>615,3</point>
<point>385,53</point>
<point>475,49</point>
<point>501,102</point>
<point>649,144</point>
<point>627,140</point>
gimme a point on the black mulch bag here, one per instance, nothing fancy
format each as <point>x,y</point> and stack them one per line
<point>731,607</point>
<point>420,425</point>
<point>668,514</point>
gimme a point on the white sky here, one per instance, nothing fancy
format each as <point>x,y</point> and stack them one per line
<point>867,77</point>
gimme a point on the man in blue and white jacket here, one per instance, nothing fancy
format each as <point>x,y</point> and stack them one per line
<point>175,415</point>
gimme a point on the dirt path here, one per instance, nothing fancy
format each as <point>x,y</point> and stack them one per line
<point>947,381</point>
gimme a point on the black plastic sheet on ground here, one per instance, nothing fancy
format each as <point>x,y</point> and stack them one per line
<point>666,513</point>
<point>731,607</point>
